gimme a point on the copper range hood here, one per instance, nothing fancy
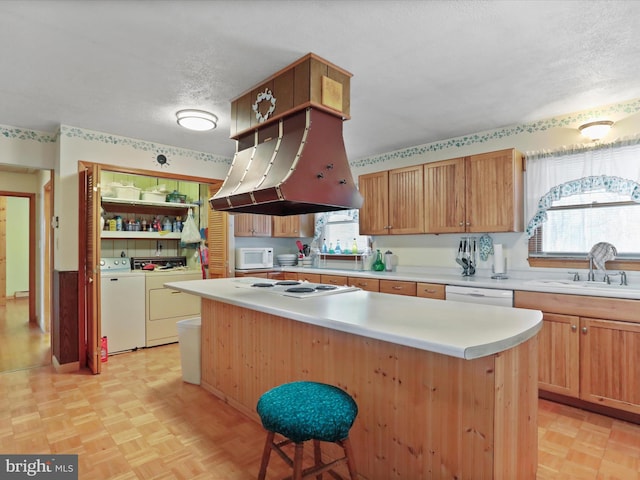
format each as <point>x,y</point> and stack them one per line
<point>290,157</point>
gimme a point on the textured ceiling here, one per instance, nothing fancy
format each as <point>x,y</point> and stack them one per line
<point>423,70</point>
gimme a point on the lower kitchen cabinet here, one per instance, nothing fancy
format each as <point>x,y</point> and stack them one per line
<point>430,290</point>
<point>589,348</point>
<point>165,307</point>
<point>558,354</point>
<point>310,277</point>
<point>398,287</point>
<point>334,279</point>
<point>369,284</point>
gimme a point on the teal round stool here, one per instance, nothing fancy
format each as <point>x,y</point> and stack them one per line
<point>302,411</point>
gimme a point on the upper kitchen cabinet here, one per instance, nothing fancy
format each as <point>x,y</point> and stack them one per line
<point>251,225</point>
<point>480,193</point>
<point>293,226</point>
<point>393,202</point>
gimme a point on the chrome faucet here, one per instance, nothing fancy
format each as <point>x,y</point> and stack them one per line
<point>623,278</point>
<point>591,276</point>
<point>576,276</point>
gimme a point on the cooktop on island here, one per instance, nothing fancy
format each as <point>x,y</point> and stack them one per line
<point>292,288</point>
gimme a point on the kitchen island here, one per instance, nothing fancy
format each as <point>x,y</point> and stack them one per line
<point>444,389</point>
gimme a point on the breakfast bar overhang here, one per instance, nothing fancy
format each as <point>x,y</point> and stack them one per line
<point>444,389</point>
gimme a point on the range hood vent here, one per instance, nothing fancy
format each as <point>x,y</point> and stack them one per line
<point>290,157</point>
<point>296,166</point>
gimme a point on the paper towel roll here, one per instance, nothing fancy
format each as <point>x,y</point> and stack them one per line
<point>498,258</point>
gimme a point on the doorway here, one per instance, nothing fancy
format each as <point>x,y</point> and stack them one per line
<point>25,342</point>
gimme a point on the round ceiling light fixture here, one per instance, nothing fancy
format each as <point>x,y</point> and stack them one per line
<point>595,130</point>
<point>197,120</point>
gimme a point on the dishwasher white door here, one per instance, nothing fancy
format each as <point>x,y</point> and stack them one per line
<point>485,296</point>
<point>122,310</point>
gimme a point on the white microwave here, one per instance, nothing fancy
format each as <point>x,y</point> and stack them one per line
<point>252,258</point>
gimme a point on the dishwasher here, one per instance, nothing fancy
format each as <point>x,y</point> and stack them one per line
<point>485,296</point>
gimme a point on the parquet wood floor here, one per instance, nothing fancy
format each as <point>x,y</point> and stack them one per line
<point>22,345</point>
<point>138,420</point>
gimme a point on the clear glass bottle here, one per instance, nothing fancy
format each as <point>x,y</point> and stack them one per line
<point>338,249</point>
<point>324,245</point>
<point>354,247</point>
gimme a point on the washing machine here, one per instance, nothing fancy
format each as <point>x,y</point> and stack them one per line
<point>122,304</point>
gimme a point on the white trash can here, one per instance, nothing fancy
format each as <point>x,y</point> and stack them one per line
<point>189,340</point>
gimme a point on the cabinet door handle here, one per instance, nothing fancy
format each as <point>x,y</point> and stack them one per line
<point>574,328</point>
<point>429,291</point>
<point>584,329</point>
<point>396,287</point>
<point>468,224</point>
<point>461,224</point>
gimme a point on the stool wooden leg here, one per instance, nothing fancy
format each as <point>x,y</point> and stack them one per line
<point>297,461</point>
<point>268,444</point>
<point>317,456</point>
<point>348,452</point>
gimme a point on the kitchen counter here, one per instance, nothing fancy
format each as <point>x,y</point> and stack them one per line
<point>450,328</point>
<point>441,387</point>
<point>535,282</point>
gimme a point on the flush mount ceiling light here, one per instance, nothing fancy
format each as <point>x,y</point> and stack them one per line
<point>595,130</point>
<point>197,120</point>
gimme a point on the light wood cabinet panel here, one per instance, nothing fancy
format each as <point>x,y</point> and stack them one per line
<point>369,284</point>
<point>398,287</point>
<point>374,213</point>
<point>334,279</point>
<point>444,187</point>
<point>610,363</point>
<point>430,290</point>
<point>251,225</point>
<point>558,344</point>
<point>393,202</point>
<point>291,276</point>
<point>480,193</point>
<point>310,277</point>
<point>406,200</point>
<point>293,226</point>
<point>494,186</point>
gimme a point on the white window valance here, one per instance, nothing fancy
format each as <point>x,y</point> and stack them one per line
<point>613,167</point>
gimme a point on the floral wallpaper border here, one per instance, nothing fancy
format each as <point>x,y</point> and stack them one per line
<point>570,121</point>
<point>157,149</point>
<point>13,133</point>
<point>630,107</point>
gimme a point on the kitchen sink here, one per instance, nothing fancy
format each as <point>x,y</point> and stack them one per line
<point>582,284</point>
<point>557,283</point>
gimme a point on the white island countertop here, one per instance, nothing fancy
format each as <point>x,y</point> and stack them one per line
<point>456,329</point>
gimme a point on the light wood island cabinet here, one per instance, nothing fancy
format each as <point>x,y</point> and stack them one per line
<point>475,194</point>
<point>589,349</point>
<point>419,411</point>
<point>393,202</point>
